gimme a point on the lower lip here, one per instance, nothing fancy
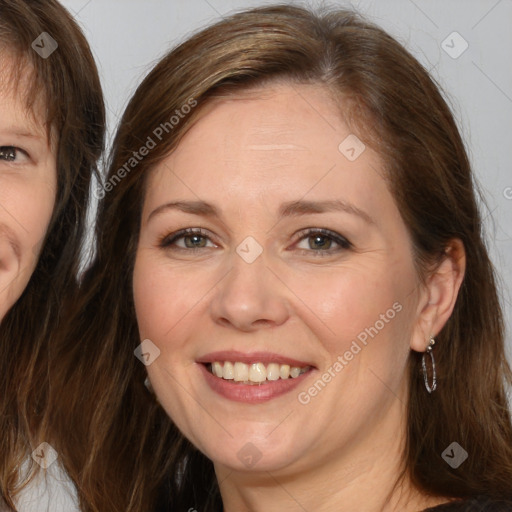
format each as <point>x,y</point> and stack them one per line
<point>251,393</point>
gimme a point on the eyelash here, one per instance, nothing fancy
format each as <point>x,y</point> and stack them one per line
<point>168,241</point>
<point>342,242</point>
<point>11,149</point>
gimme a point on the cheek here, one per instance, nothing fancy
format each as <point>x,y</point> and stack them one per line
<point>38,210</point>
<point>37,216</point>
<point>365,321</point>
<point>25,213</point>
<point>164,298</point>
<point>27,210</point>
<point>347,300</point>
<point>147,291</point>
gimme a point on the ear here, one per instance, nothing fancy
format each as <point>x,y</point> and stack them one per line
<point>438,295</point>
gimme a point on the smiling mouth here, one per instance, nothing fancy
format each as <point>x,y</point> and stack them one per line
<point>254,373</point>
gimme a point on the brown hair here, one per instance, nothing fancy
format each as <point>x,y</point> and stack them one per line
<point>124,448</point>
<point>67,83</point>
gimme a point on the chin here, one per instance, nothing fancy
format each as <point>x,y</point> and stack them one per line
<point>248,454</point>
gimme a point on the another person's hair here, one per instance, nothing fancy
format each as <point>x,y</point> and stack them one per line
<point>67,83</point>
<point>116,441</point>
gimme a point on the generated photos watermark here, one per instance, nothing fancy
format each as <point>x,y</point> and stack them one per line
<point>342,361</point>
<point>151,143</point>
<point>44,45</point>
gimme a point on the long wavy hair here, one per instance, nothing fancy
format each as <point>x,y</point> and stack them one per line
<point>116,441</point>
<point>68,84</point>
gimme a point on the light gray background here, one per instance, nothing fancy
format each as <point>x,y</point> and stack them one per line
<point>129,36</point>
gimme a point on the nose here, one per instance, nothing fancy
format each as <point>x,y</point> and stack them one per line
<point>250,297</point>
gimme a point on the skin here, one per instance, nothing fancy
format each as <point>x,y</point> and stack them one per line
<point>28,178</point>
<point>248,155</point>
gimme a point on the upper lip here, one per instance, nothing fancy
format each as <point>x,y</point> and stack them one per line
<point>250,358</point>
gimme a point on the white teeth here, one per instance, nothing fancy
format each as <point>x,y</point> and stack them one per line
<point>255,372</point>
<point>272,371</point>
<point>228,372</point>
<point>217,369</point>
<point>284,371</point>
<point>241,372</point>
<point>294,372</point>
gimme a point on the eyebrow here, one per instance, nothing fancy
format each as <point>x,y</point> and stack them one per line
<point>21,133</point>
<point>294,208</point>
<point>289,209</point>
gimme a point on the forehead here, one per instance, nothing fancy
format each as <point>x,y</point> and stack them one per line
<point>269,126</point>
<point>21,100</point>
<point>267,112</point>
<point>280,142</point>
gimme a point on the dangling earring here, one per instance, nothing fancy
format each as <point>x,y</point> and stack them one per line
<point>148,385</point>
<point>423,364</point>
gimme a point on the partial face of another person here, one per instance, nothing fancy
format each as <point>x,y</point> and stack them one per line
<point>28,179</point>
<point>275,276</point>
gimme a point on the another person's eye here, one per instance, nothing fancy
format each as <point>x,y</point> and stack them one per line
<point>12,154</point>
<point>187,239</point>
<point>322,242</point>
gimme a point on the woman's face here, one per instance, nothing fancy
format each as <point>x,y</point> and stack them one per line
<point>27,189</point>
<point>294,282</point>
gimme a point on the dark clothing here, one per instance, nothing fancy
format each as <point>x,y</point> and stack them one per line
<point>478,504</point>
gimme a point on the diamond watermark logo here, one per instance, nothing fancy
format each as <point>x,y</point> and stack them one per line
<point>454,455</point>
<point>147,352</point>
<point>454,45</point>
<point>249,455</point>
<point>44,45</point>
<point>45,455</point>
<point>249,250</point>
<point>351,147</point>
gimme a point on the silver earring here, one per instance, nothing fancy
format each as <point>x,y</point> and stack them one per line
<point>424,365</point>
<point>148,385</point>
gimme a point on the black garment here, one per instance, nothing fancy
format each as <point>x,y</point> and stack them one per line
<point>478,504</point>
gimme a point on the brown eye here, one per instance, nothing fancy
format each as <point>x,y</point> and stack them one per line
<point>8,153</point>
<point>322,241</point>
<point>194,241</point>
<point>187,239</point>
<point>319,242</point>
<point>12,154</point>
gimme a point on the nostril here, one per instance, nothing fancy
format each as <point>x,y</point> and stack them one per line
<point>262,322</point>
<point>224,322</point>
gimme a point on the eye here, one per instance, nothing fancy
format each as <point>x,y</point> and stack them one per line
<point>322,241</point>
<point>12,154</point>
<point>187,239</point>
